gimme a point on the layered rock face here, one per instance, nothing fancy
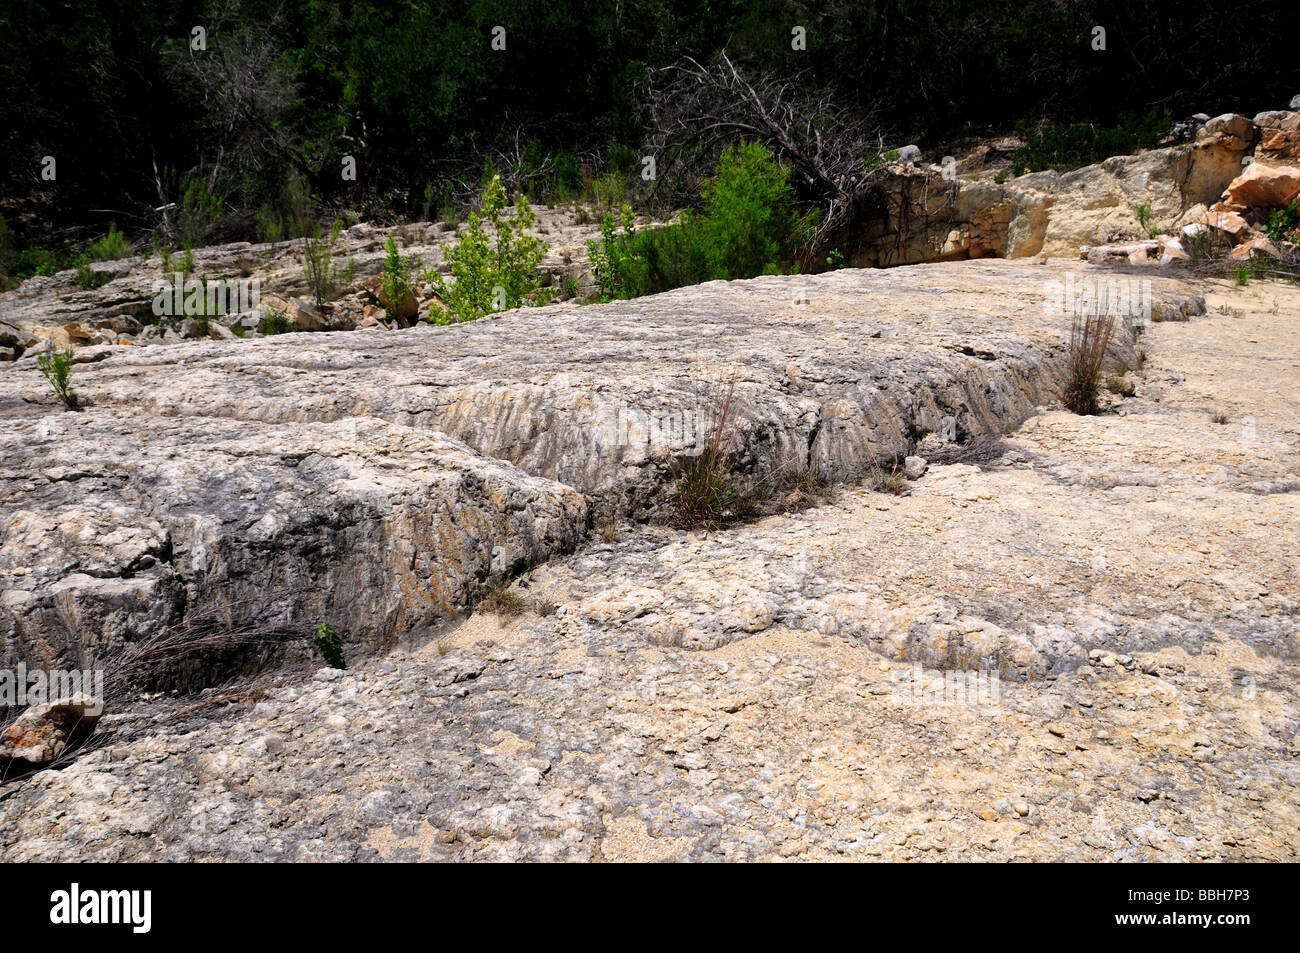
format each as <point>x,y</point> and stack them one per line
<point>376,480</point>
<point>1055,213</point>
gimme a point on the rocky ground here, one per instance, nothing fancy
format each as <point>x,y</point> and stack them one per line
<point>1083,647</point>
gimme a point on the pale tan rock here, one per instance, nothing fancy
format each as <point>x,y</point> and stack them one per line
<point>1263,186</point>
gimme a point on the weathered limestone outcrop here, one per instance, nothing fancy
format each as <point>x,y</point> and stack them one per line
<point>1051,213</point>
<point>374,480</point>
<point>810,686</point>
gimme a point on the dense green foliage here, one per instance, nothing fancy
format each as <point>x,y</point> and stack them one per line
<point>330,645</point>
<point>416,94</point>
<point>395,281</point>
<point>750,225</point>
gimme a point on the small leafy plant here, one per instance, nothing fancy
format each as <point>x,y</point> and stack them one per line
<point>1146,219</point>
<point>56,366</point>
<point>1283,222</point>
<point>330,645</point>
<point>111,247</point>
<point>395,282</point>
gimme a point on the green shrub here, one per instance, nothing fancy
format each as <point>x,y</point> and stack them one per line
<point>86,277</point>
<point>200,208</point>
<point>1146,219</point>
<point>1283,221</point>
<point>610,190</point>
<point>750,226</point>
<point>395,280</point>
<point>33,262</point>
<point>317,260</point>
<point>275,322</point>
<point>56,366</point>
<point>492,272</point>
<point>330,645</point>
<point>270,226</point>
<point>111,247</point>
<point>753,222</point>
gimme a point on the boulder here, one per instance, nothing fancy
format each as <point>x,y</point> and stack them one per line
<point>1235,130</point>
<point>1259,246</point>
<point>909,154</point>
<point>15,338</point>
<point>40,733</point>
<point>304,315</point>
<point>1229,222</point>
<point>1262,186</point>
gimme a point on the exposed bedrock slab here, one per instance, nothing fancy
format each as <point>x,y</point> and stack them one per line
<point>116,526</point>
<point>373,479</point>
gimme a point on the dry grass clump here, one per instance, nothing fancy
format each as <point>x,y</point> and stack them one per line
<point>1090,336</point>
<point>502,601</point>
<point>707,492</point>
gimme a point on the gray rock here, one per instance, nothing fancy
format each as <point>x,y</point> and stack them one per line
<point>909,154</point>
<point>1295,102</point>
<point>914,467</point>
<point>376,482</point>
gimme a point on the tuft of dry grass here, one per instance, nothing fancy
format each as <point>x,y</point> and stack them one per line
<point>544,607</point>
<point>608,530</point>
<point>707,492</point>
<point>890,481</point>
<point>1219,417</point>
<point>1120,385</point>
<point>502,601</point>
<point>1090,336</point>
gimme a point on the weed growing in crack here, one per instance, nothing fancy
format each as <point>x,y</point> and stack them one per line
<point>56,366</point>
<point>502,601</point>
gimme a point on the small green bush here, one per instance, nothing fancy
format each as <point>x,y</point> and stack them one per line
<point>317,260</point>
<point>1282,222</point>
<point>1146,219</point>
<point>330,645</point>
<point>111,247</point>
<point>275,322</point>
<point>86,277</point>
<point>395,281</point>
<point>493,272</point>
<point>750,225</point>
<point>56,366</point>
